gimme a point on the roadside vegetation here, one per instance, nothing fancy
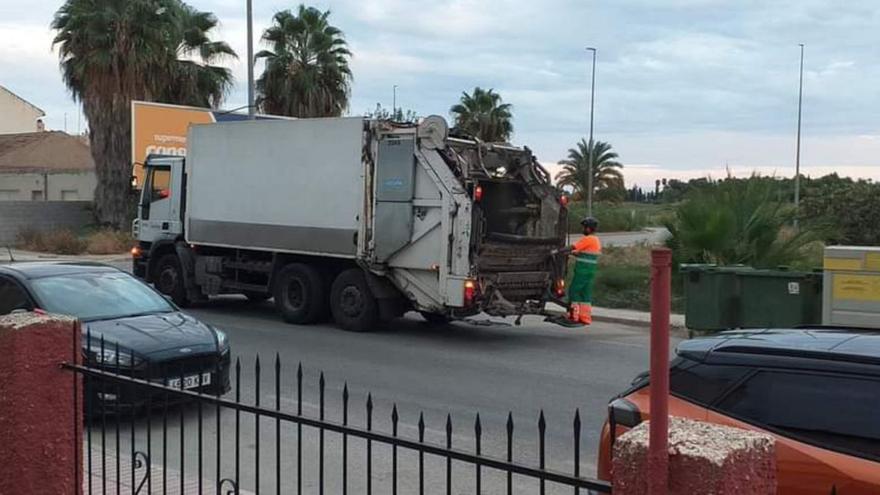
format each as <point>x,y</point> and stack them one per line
<point>740,222</point>
<point>624,280</point>
<point>65,241</point>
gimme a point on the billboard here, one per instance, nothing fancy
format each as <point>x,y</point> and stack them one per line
<point>161,128</point>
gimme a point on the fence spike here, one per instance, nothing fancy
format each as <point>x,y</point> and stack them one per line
<point>542,428</point>
<point>509,451</point>
<point>448,459</point>
<point>577,446</point>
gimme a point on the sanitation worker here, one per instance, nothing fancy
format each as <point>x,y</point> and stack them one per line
<point>586,253</point>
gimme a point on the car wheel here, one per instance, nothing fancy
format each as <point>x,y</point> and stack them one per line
<point>299,293</point>
<point>168,279</point>
<point>353,304</point>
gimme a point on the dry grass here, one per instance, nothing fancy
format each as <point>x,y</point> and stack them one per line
<point>65,241</point>
<point>62,241</point>
<point>108,241</point>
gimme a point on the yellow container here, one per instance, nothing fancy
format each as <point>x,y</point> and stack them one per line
<point>852,286</point>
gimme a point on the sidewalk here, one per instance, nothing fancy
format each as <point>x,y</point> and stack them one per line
<point>639,319</point>
<point>632,318</point>
<point>22,255</point>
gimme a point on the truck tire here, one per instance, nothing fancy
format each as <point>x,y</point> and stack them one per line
<point>168,279</point>
<point>352,302</point>
<point>300,294</point>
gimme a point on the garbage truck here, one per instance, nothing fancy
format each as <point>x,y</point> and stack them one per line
<point>358,218</point>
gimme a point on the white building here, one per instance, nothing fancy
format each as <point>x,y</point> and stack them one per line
<point>17,114</point>
<point>46,166</point>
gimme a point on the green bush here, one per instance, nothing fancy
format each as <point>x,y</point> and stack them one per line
<point>739,222</point>
<point>852,208</point>
<point>623,280</point>
<point>612,218</point>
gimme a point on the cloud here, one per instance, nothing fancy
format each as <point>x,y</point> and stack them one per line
<point>686,85</point>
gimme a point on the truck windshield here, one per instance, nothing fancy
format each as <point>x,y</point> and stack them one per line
<point>98,296</point>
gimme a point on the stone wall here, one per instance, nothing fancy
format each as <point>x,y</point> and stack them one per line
<point>41,215</point>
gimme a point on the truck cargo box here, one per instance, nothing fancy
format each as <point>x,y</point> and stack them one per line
<point>304,194</point>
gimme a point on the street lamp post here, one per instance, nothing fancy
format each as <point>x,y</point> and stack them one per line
<point>590,158</point>
<point>252,111</point>
<point>797,160</point>
<point>394,102</point>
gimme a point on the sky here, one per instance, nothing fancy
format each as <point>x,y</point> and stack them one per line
<point>684,88</point>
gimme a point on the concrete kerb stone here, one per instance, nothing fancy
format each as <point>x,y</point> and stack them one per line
<point>704,458</point>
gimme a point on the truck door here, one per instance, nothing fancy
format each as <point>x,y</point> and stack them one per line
<point>160,208</point>
<point>395,167</point>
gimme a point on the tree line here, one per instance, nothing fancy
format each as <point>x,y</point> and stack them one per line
<point>112,52</point>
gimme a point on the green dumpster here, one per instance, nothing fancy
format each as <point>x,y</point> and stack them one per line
<point>711,296</point>
<point>779,298</point>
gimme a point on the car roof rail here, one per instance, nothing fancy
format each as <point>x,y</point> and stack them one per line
<point>845,328</point>
<point>796,353</point>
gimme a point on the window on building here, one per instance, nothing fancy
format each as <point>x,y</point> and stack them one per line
<point>69,195</point>
<point>37,195</point>
<point>8,194</point>
<point>838,412</point>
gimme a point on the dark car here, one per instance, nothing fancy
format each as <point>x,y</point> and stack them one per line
<point>126,324</point>
<point>816,390</point>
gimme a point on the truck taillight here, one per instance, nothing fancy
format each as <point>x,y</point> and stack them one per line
<point>478,193</point>
<point>560,287</point>
<point>470,291</point>
<point>564,200</point>
<point>136,252</point>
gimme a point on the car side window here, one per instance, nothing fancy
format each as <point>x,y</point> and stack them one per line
<point>834,411</point>
<point>703,383</point>
<point>12,296</point>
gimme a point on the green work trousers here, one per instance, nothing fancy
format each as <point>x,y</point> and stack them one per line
<point>581,290</point>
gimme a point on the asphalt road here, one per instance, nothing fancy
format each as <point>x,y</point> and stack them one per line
<point>461,369</point>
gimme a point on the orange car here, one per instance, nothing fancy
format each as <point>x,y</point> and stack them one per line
<point>816,390</point>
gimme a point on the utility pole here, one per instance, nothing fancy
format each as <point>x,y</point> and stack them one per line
<point>252,111</point>
<point>394,102</point>
<point>797,160</point>
<point>590,158</point>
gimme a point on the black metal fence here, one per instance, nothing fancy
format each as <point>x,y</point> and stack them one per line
<point>139,438</point>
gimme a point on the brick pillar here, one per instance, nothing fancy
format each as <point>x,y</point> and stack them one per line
<point>703,458</point>
<point>40,405</point>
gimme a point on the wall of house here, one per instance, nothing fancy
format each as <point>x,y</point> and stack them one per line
<point>53,186</point>
<point>16,115</point>
<point>16,216</point>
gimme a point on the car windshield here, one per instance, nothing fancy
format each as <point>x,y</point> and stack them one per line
<point>98,296</point>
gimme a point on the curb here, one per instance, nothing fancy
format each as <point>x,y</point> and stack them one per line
<point>679,331</point>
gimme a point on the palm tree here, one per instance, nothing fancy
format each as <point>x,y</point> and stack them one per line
<point>112,52</point>
<point>483,115</point>
<point>307,73</point>
<point>575,169</point>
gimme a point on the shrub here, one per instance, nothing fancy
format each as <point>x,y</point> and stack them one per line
<point>62,241</point>
<point>612,218</point>
<point>108,241</point>
<point>853,208</point>
<point>738,221</point>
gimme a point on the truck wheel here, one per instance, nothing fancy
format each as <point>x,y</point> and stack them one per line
<point>169,279</point>
<point>352,302</point>
<point>300,296</point>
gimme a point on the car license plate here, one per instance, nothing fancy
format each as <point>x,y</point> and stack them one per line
<point>191,381</point>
